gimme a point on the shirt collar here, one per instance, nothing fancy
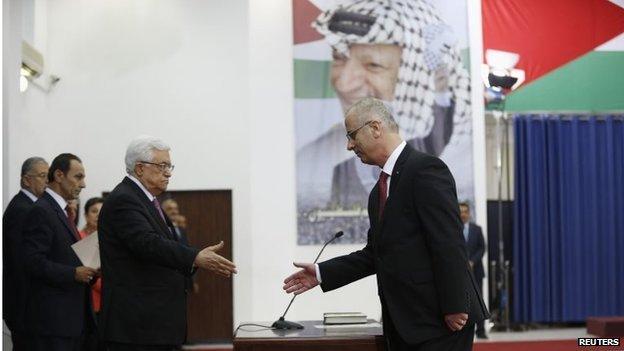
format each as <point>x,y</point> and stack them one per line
<point>147,193</point>
<point>58,198</point>
<point>394,156</point>
<point>29,194</point>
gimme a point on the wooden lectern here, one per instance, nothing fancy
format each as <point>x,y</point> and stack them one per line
<point>313,337</point>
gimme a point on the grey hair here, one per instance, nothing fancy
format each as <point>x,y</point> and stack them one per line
<point>142,149</point>
<point>369,106</point>
<point>30,163</point>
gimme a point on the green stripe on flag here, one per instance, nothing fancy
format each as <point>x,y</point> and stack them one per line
<point>312,80</point>
<point>592,83</point>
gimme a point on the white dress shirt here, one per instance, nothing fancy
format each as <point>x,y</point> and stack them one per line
<point>147,193</point>
<point>58,198</point>
<point>390,162</point>
<point>387,168</point>
<point>29,194</point>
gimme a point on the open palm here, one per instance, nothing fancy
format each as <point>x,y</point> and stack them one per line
<point>301,281</point>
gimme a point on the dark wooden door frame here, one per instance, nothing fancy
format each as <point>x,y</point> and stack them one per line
<point>209,220</point>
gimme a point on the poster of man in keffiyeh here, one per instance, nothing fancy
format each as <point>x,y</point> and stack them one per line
<point>412,54</point>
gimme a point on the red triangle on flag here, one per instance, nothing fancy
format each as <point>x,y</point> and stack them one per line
<point>548,34</point>
<point>304,13</point>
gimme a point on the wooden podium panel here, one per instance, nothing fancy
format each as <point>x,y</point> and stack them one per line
<point>313,337</point>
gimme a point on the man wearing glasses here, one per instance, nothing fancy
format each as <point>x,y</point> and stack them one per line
<point>143,264</point>
<point>34,177</point>
<point>415,247</point>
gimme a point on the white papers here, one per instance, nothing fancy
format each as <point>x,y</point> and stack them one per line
<point>88,251</point>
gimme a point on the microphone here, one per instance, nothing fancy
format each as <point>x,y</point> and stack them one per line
<point>281,323</point>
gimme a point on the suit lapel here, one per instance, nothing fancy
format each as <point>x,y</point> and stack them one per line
<point>374,203</point>
<point>394,179</point>
<point>150,207</point>
<point>170,228</point>
<point>158,218</point>
<point>398,167</point>
<point>61,215</point>
<point>373,210</point>
<point>25,198</point>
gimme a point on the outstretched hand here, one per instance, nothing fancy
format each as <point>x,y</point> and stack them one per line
<point>210,260</point>
<point>303,280</point>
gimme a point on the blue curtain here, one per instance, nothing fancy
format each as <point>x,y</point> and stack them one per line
<point>568,236</point>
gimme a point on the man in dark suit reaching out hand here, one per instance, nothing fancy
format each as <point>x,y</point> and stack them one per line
<point>143,264</point>
<point>428,296</point>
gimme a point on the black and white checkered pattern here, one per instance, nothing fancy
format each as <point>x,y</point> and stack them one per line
<point>415,26</point>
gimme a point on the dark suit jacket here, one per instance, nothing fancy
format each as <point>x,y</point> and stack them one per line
<point>347,188</point>
<point>417,251</point>
<point>144,270</point>
<point>180,236</point>
<point>13,287</point>
<point>476,248</point>
<point>57,305</point>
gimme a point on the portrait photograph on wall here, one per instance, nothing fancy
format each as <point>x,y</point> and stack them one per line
<point>412,55</point>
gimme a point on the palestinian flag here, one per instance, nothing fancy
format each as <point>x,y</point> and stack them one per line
<point>572,52</point>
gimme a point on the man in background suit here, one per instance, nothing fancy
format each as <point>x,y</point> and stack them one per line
<point>172,210</point>
<point>144,266</point>
<point>475,244</point>
<point>58,312</point>
<point>428,297</point>
<point>34,177</point>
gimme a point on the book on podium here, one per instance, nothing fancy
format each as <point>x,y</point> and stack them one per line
<point>344,318</point>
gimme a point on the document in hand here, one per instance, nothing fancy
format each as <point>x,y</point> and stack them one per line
<point>88,251</point>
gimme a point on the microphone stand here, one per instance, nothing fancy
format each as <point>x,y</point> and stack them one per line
<point>281,323</point>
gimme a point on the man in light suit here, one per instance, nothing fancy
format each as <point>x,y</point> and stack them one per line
<point>34,178</point>
<point>143,264</point>
<point>429,299</point>
<point>58,313</point>
<point>475,244</point>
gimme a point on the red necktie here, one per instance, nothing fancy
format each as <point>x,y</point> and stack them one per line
<point>383,192</point>
<point>71,217</point>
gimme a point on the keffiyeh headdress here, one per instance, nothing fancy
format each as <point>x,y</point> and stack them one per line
<point>427,44</point>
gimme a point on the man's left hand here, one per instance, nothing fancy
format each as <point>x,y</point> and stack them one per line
<point>456,321</point>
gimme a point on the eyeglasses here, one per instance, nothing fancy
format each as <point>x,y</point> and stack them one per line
<point>40,175</point>
<point>352,133</point>
<point>164,167</point>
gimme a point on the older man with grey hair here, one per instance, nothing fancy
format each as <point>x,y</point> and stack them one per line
<point>429,299</point>
<point>144,266</point>
<point>33,180</point>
